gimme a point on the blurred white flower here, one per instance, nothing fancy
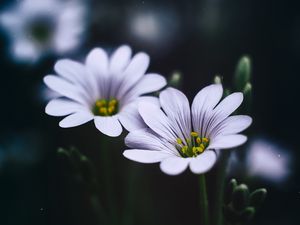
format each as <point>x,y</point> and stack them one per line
<point>153,27</point>
<point>104,89</point>
<point>267,160</point>
<point>179,137</point>
<point>38,27</point>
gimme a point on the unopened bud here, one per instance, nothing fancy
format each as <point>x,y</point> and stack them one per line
<point>175,79</point>
<point>217,79</point>
<point>257,197</point>
<point>242,73</point>
<point>240,197</point>
<point>247,214</point>
<point>229,190</point>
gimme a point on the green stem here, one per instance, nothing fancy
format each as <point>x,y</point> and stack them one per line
<point>107,173</point>
<point>203,200</point>
<point>217,210</point>
<point>130,196</point>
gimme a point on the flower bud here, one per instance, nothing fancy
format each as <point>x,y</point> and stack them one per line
<point>217,79</point>
<point>229,190</point>
<point>247,214</point>
<point>242,73</point>
<point>240,197</point>
<point>175,80</point>
<point>257,197</point>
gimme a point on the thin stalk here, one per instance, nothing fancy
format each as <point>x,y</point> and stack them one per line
<point>107,173</point>
<point>128,215</point>
<point>217,210</point>
<point>203,200</point>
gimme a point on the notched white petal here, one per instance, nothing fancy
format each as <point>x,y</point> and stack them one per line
<point>62,107</point>
<point>174,165</point>
<point>227,141</point>
<point>120,59</point>
<point>108,125</point>
<point>97,61</point>
<point>145,156</point>
<point>76,119</point>
<point>203,162</point>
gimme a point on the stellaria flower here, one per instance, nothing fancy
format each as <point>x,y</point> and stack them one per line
<point>178,137</point>
<point>106,90</point>
<point>49,26</point>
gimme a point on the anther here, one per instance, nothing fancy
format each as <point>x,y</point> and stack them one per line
<point>179,141</point>
<point>194,134</point>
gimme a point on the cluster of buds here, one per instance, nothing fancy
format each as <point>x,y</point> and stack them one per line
<point>241,205</point>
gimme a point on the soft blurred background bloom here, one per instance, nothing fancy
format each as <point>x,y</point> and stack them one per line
<point>198,38</point>
<point>39,27</point>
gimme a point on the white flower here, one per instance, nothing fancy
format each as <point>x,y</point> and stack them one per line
<point>178,137</point>
<point>106,90</point>
<point>267,160</point>
<point>49,26</point>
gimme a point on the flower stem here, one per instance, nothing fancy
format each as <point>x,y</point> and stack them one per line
<point>106,161</point>
<point>217,210</point>
<point>203,200</point>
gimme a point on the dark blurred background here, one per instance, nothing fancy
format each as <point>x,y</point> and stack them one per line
<point>198,38</point>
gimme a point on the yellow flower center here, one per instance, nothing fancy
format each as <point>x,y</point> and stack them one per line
<point>104,107</point>
<point>194,146</point>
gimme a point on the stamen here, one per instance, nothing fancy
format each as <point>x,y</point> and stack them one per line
<point>194,134</point>
<point>205,139</point>
<point>104,107</point>
<point>193,147</point>
<point>179,141</point>
<point>184,149</point>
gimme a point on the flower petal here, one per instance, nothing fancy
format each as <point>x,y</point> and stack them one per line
<point>231,125</point>
<point>203,162</point>
<point>25,50</point>
<point>227,141</point>
<point>65,88</point>
<point>146,139</point>
<point>174,165</point>
<point>120,59</point>
<point>63,107</point>
<point>154,117</point>
<point>149,83</point>
<point>69,69</point>
<point>134,71</point>
<point>203,104</point>
<point>176,105</point>
<point>76,119</point>
<point>226,107</point>
<point>108,125</point>
<point>97,61</point>
<point>77,74</point>
<point>145,156</point>
<point>130,117</point>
